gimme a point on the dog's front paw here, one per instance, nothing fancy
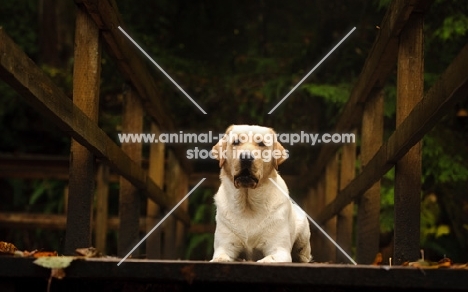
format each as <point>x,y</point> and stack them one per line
<point>223,258</point>
<point>267,259</point>
<point>278,257</point>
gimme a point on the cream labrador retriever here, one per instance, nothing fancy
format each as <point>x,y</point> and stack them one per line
<point>255,220</point>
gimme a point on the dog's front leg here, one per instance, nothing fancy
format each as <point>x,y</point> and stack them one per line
<point>222,255</point>
<point>281,255</point>
<point>226,245</point>
<point>277,248</point>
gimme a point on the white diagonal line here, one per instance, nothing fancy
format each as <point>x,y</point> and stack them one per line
<point>313,69</point>
<point>315,223</point>
<point>161,221</point>
<point>161,69</point>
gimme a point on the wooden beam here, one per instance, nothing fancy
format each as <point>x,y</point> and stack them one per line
<point>156,170</point>
<point>452,86</point>
<point>10,220</point>
<point>368,215</point>
<point>102,207</point>
<point>408,170</point>
<point>129,196</point>
<point>317,203</point>
<point>130,61</point>
<point>331,190</point>
<point>174,181</point>
<point>379,63</point>
<point>86,88</point>
<point>35,166</point>
<point>37,88</point>
<point>133,65</point>
<point>344,224</point>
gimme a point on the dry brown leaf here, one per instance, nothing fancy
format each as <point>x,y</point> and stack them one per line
<point>41,254</point>
<point>378,260</point>
<point>7,248</point>
<point>89,252</point>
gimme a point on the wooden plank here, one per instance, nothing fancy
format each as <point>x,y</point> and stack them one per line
<point>86,88</point>
<point>102,207</point>
<point>331,190</point>
<point>37,88</point>
<point>344,224</point>
<point>34,166</point>
<point>102,274</point>
<point>173,173</point>
<point>452,86</point>
<point>133,65</point>
<point>129,196</point>
<point>379,63</point>
<point>368,215</point>
<point>408,172</point>
<point>156,173</point>
<point>10,220</point>
<point>317,201</point>
<point>130,61</point>
<point>181,230</point>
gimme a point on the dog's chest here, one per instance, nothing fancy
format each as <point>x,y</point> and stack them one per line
<point>251,229</point>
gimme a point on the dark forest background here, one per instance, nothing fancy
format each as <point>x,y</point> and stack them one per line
<point>237,59</point>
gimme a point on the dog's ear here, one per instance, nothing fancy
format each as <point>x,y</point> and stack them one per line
<point>218,151</point>
<point>279,155</point>
<point>278,150</point>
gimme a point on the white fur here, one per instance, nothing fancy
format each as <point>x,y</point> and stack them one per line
<point>257,223</point>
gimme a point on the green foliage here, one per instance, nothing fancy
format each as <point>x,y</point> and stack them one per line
<point>333,94</point>
<point>453,26</point>
<point>200,246</point>
<point>33,196</point>
<point>442,166</point>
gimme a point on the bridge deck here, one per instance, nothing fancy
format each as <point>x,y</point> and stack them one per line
<point>18,274</point>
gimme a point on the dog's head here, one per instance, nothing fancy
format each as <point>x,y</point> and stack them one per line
<point>249,154</point>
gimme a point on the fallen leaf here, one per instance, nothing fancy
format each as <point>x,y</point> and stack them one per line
<point>445,263</point>
<point>41,254</point>
<point>54,262</point>
<point>89,252</point>
<point>378,260</point>
<point>7,248</point>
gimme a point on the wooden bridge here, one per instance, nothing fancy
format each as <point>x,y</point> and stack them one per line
<point>165,176</point>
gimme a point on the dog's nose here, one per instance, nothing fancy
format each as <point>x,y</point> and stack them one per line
<point>246,159</point>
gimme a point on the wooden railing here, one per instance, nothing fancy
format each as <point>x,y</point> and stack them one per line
<point>400,43</point>
<point>97,22</point>
<point>332,184</point>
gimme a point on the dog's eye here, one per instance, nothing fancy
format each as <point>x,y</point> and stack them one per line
<point>261,144</point>
<point>235,142</point>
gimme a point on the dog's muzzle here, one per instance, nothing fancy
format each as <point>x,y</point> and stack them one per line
<point>245,179</point>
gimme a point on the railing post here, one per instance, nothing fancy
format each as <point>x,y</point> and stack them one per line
<point>155,172</point>
<point>102,203</point>
<point>410,87</point>
<point>129,199</point>
<point>317,202</point>
<point>309,202</point>
<point>344,224</point>
<point>86,79</point>
<point>172,173</point>
<point>331,190</point>
<point>368,217</point>
<point>181,229</point>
